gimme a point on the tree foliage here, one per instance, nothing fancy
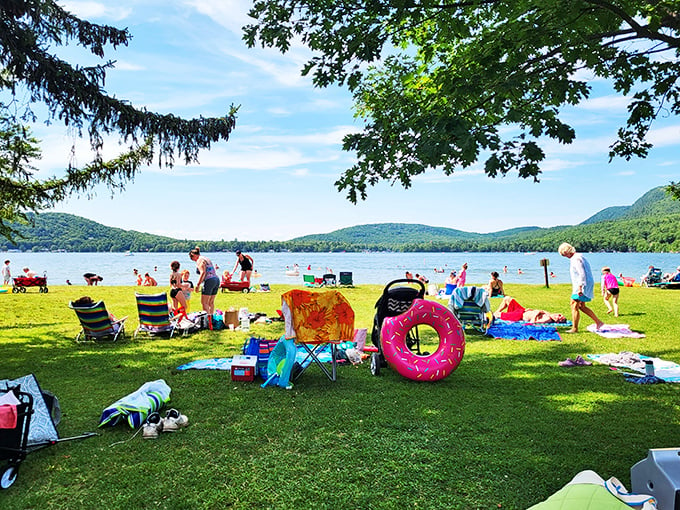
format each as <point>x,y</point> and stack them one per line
<point>442,83</point>
<point>31,74</point>
<point>650,233</point>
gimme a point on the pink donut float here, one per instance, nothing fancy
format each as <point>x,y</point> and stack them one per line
<point>435,366</point>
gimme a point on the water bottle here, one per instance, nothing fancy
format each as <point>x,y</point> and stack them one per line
<point>649,367</point>
<point>245,323</point>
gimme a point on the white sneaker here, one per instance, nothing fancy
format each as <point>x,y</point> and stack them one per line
<point>174,421</point>
<point>152,426</point>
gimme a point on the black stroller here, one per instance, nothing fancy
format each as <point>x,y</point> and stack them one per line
<point>15,442</point>
<point>397,297</point>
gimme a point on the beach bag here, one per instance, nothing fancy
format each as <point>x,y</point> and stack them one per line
<point>218,321</point>
<point>261,348</point>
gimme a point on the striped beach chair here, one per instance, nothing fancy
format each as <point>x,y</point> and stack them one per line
<point>96,323</point>
<point>154,315</point>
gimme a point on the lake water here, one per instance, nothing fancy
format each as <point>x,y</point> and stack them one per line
<point>367,268</point>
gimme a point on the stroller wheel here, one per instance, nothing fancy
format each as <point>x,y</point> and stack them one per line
<point>9,475</point>
<point>375,363</point>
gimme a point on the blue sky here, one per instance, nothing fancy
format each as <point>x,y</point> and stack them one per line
<point>274,178</point>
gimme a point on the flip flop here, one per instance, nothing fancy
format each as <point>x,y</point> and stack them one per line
<point>580,361</point>
<point>567,363</point>
<point>615,487</point>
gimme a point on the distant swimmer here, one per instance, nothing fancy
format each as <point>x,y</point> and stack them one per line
<point>519,271</point>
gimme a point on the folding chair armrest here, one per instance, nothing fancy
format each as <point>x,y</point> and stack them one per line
<point>120,321</point>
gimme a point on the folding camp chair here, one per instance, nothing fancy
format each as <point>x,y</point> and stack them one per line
<point>470,305</point>
<point>317,320</point>
<point>329,280</point>
<point>154,315</point>
<point>309,281</point>
<point>96,323</point>
<point>346,278</point>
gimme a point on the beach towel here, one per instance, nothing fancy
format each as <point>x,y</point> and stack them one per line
<point>523,331</point>
<point>615,331</point>
<point>208,364</point>
<point>135,407</point>
<point>669,371</point>
<point>565,324</point>
<point>324,355</point>
<point>476,294</point>
<point>42,428</point>
<point>317,317</point>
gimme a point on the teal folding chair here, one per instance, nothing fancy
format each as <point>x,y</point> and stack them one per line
<point>154,315</point>
<point>471,305</point>
<point>96,323</point>
<point>346,278</point>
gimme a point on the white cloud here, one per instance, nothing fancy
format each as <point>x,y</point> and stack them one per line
<point>279,110</point>
<point>664,137</point>
<point>557,164</point>
<point>332,137</point>
<point>128,66</point>
<point>231,14</point>
<point>90,10</point>
<point>605,103</point>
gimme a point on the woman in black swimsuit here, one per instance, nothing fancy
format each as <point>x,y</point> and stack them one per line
<point>495,286</point>
<point>246,262</point>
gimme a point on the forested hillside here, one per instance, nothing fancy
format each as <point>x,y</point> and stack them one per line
<point>651,224</point>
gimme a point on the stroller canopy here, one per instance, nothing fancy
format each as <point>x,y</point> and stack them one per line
<point>42,429</point>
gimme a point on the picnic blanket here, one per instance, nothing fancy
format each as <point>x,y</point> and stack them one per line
<point>136,406</point>
<point>615,331</point>
<point>208,364</point>
<point>522,331</point>
<point>301,356</point>
<point>668,371</point>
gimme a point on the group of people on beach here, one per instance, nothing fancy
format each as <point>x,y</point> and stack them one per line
<point>7,273</point>
<point>582,289</point>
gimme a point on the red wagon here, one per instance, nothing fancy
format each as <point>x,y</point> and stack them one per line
<point>234,286</point>
<point>21,282</point>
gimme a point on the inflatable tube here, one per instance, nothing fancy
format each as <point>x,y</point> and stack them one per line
<point>437,365</point>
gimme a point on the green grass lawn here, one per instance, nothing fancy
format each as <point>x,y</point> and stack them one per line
<point>508,428</point>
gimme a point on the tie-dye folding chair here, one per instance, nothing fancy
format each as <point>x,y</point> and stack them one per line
<point>154,315</point>
<point>96,323</point>
<point>316,320</point>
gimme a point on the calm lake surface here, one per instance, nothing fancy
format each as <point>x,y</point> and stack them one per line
<point>367,268</point>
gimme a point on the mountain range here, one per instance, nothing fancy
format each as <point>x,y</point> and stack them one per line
<point>652,224</point>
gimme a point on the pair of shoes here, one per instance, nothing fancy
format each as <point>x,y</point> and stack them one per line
<point>174,420</point>
<point>580,361</point>
<point>152,426</point>
<point>567,363</point>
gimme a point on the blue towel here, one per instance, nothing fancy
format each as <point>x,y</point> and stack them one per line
<point>208,364</point>
<point>516,331</point>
